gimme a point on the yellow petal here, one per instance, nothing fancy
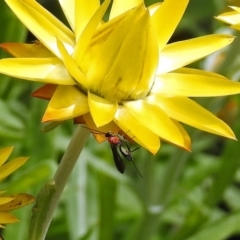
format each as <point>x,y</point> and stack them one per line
<point>127,77</point>
<point>155,120</point>
<point>199,72</point>
<point>48,70</point>
<point>100,137</point>
<point>19,200</point>
<point>186,137</point>
<point>235,21</point>
<point>148,60</point>
<point>101,109</point>
<point>67,102</point>
<point>193,85</point>
<point>232,17</point>
<point>120,6</point>
<point>136,130</point>
<point>99,69</point>
<point>68,7</point>
<point>11,166</point>
<point>126,72</point>
<point>72,66</point>
<point>4,154</point>
<point>42,24</point>
<point>187,111</point>
<point>84,11</point>
<point>4,200</point>
<point>153,8</point>
<point>166,19</point>
<point>235,8</point>
<point>6,217</point>
<point>182,53</point>
<point>100,36</point>
<point>236,26</point>
<point>22,50</point>
<point>89,28</point>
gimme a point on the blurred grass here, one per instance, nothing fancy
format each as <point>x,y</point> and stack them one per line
<point>193,196</point>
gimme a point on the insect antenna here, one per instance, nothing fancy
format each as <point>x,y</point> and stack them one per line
<point>137,169</point>
<point>93,130</point>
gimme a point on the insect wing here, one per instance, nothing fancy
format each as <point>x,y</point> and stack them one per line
<point>126,153</point>
<point>117,159</point>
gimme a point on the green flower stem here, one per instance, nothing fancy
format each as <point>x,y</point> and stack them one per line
<point>50,194</point>
<point>174,169</point>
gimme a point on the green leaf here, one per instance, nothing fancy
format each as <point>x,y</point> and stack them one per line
<point>220,229</point>
<point>13,30</point>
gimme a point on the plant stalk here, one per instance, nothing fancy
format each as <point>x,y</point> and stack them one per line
<point>50,194</point>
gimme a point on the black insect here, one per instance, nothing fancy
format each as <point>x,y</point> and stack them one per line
<point>119,144</point>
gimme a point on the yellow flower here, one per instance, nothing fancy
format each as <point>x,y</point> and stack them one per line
<point>9,203</point>
<point>120,74</point>
<point>232,17</point>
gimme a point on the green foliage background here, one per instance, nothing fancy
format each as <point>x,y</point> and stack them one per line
<point>183,196</point>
